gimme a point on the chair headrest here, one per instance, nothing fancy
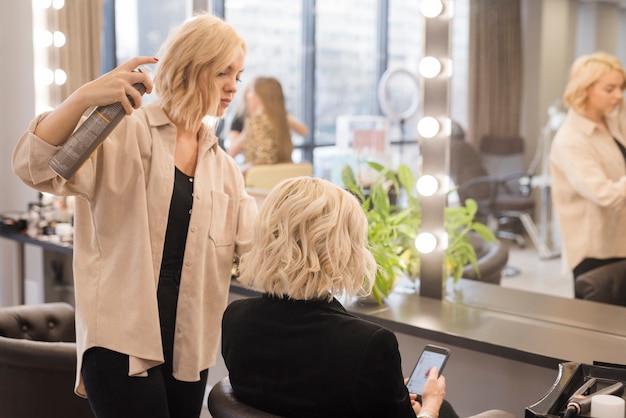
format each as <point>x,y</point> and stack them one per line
<point>50,322</point>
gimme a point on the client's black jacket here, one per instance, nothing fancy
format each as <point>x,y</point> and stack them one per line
<point>312,359</point>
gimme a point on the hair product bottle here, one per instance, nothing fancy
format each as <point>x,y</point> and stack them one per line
<point>89,136</point>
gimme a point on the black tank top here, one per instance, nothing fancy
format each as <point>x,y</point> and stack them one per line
<point>178,222</point>
<point>621,147</point>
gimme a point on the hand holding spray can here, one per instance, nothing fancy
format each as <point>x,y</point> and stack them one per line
<point>90,135</point>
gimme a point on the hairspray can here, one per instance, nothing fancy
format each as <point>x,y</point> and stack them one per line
<point>89,136</point>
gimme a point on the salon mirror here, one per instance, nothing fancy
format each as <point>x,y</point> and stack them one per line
<point>516,88</point>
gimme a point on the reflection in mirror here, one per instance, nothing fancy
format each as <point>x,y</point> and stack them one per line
<point>518,60</point>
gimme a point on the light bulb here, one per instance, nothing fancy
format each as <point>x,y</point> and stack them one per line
<point>427,185</point>
<point>59,39</point>
<point>45,77</point>
<point>42,4</point>
<point>431,8</point>
<point>425,243</point>
<point>428,127</point>
<point>430,67</point>
<point>60,77</point>
<point>43,39</point>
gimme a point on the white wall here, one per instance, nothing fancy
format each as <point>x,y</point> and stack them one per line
<point>17,108</point>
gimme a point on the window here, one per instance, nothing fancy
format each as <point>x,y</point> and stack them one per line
<point>141,26</point>
<point>328,55</point>
<point>346,58</point>
<point>405,45</point>
<point>273,33</point>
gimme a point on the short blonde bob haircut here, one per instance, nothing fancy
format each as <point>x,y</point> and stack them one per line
<point>203,42</point>
<point>585,71</point>
<point>310,243</point>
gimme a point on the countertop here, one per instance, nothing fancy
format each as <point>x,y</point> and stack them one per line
<point>529,327</point>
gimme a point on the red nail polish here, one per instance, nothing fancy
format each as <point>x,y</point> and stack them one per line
<point>156,59</point>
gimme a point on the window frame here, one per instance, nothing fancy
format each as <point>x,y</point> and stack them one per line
<point>217,7</point>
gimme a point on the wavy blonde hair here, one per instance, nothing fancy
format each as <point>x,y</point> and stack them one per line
<point>203,42</point>
<point>310,243</point>
<point>585,71</point>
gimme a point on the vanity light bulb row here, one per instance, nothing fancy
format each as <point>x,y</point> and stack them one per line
<point>47,77</point>
<point>46,39</point>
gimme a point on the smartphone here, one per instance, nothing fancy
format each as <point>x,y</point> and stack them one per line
<point>432,356</point>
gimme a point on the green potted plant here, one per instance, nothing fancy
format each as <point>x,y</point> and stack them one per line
<point>393,227</point>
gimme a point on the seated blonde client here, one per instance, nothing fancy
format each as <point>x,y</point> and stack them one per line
<point>295,351</point>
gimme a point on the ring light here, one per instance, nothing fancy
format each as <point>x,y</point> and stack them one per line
<point>383,96</point>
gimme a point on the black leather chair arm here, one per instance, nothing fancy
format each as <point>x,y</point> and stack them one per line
<point>491,259</point>
<point>606,284</point>
<point>222,403</point>
<point>38,354</point>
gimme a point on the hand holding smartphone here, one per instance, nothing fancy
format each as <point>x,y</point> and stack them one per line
<point>432,356</point>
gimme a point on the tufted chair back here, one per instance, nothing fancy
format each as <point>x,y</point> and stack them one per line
<point>38,362</point>
<point>53,322</point>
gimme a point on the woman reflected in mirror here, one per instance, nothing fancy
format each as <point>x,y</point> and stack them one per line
<point>588,165</point>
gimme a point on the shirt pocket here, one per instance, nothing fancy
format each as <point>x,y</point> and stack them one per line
<point>221,229</point>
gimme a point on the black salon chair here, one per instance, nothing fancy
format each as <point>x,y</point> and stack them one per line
<point>504,199</point>
<point>491,260</point>
<point>38,362</point>
<point>494,413</point>
<point>606,284</point>
<point>223,403</point>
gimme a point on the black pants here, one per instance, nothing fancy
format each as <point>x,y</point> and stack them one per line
<point>113,394</point>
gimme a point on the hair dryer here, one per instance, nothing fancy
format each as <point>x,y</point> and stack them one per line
<point>580,403</point>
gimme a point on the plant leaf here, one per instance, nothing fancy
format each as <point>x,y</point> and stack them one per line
<point>392,229</point>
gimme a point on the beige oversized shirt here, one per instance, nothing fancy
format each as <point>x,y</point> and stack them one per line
<point>588,175</point>
<point>123,196</point>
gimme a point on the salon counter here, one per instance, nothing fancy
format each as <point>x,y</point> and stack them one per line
<point>529,327</point>
<point>533,328</point>
<point>22,238</point>
<point>57,250</point>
